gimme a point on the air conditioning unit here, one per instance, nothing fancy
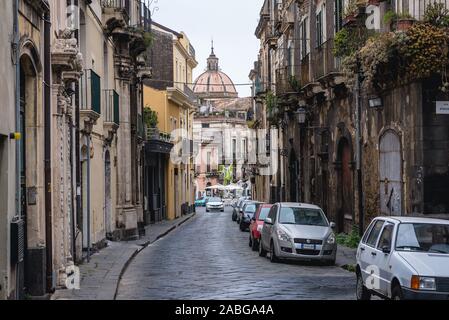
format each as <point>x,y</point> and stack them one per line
<point>17,241</point>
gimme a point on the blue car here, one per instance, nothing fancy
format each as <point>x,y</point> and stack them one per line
<point>201,202</point>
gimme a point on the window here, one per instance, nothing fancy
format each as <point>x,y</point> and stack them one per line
<point>374,234</point>
<point>368,231</point>
<point>272,214</point>
<point>263,213</point>
<point>302,216</point>
<point>338,12</point>
<point>423,237</point>
<point>319,28</point>
<point>386,237</point>
<point>291,58</point>
<point>304,38</point>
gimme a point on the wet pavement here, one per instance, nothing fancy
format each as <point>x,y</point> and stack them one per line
<point>209,259</point>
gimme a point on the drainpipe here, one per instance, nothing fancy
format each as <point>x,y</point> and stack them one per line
<point>88,199</point>
<point>47,151</point>
<point>16,59</point>
<point>359,151</point>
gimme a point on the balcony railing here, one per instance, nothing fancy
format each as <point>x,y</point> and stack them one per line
<point>189,93</point>
<point>305,65</point>
<point>123,6</point>
<point>156,134</point>
<point>112,106</point>
<point>324,61</point>
<point>90,91</point>
<point>416,8</point>
<point>283,83</point>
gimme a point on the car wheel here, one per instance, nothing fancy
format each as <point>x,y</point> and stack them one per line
<point>242,227</point>
<point>362,292</point>
<point>255,245</point>
<point>262,251</point>
<point>207,210</point>
<point>234,216</point>
<point>396,294</point>
<point>273,257</point>
<point>250,242</point>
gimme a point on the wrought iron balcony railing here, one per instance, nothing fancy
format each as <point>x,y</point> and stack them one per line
<point>123,6</point>
<point>156,134</point>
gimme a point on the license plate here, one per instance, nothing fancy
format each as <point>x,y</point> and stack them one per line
<point>308,246</point>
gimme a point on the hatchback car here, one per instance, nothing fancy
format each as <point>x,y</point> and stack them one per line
<point>257,225</point>
<point>238,208</point>
<point>404,258</point>
<point>247,213</point>
<point>298,231</point>
<point>215,203</point>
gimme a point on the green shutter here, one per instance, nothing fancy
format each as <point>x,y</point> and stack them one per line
<point>95,89</point>
<point>116,108</point>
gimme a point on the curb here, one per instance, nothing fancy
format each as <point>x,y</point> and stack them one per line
<point>143,247</point>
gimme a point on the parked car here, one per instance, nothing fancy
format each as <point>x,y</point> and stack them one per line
<point>201,202</point>
<point>215,203</point>
<point>256,225</point>
<point>247,213</point>
<point>236,210</point>
<point>240,210</point>
<point>298,231</point>
<point>404,258</point>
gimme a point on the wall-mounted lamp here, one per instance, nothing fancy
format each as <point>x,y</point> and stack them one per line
<point>375,102</point>
<point>301,115</point>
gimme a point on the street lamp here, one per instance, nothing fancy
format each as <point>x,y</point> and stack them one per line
<point>301,115</point>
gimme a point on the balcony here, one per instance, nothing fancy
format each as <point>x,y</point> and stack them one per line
<point>283,82</point>
<point>116,10</point>
<point>90,98</point>
<point>112,112</point>
<point>305,74</point>
<point>326,67</point>
<point>158,142</point>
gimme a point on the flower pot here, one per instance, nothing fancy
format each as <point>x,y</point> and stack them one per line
<point>404,24</point>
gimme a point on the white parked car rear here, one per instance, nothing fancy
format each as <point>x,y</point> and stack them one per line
<point>404,258</point>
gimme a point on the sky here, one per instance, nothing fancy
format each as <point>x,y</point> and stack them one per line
<point>230,23</point>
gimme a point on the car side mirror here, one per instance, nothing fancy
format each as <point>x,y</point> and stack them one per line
<point>268,221</point>
<point>386,249</point>
<point>333,225</point>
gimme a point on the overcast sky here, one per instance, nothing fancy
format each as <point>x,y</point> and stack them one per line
<point>231,23</point>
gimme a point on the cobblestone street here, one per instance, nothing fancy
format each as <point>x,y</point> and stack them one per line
<point>209,258</point>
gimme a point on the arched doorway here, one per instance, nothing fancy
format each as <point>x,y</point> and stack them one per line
<point>390,172</point>
<point>107,194</point>
<point>345,192</point>
<point>84,195</point>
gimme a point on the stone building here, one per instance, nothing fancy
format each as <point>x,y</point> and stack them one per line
<point>220,128</point>
<point>358,154</point>
<point>168,178</point>
<point>69,101</point>
<point>7,150</point>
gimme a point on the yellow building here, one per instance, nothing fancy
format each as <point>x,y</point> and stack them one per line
<point>169,186</point>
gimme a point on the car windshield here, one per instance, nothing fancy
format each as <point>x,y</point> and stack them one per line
<point>302,216</point>
<point>264,213</point>
<point>423,237</point>
<point>250,208</point>
<point>215,200</point>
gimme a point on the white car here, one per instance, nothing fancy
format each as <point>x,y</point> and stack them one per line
<point>404,258</point>
<point>215,204</point>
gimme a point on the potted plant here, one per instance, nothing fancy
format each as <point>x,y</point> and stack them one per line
<point>404,21</point>
<point>350,13</point>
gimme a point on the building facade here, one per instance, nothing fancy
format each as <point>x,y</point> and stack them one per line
<point>73,106</point>
<point>359,146</point>
<point>220,129</point>
<point>169,99</point>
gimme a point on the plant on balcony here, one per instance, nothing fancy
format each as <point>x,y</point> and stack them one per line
<point>294,83</point>
<point>272,104</point>
<point>150,117</point>
<point>399,57</point>
<point>389,17</point>
<point>404,22</point>
<point>436,14</point>
<point>350,12</point>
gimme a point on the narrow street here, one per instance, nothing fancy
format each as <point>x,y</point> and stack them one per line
<point>209,258</point>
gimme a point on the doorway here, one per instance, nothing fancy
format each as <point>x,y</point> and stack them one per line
<point>294,174</point>
<point>345,185</point>
<point>390,172</point>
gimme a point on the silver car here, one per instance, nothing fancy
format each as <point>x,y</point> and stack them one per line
<point>298,231</point>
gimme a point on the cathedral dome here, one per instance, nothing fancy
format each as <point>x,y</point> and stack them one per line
<point>214,84</point>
